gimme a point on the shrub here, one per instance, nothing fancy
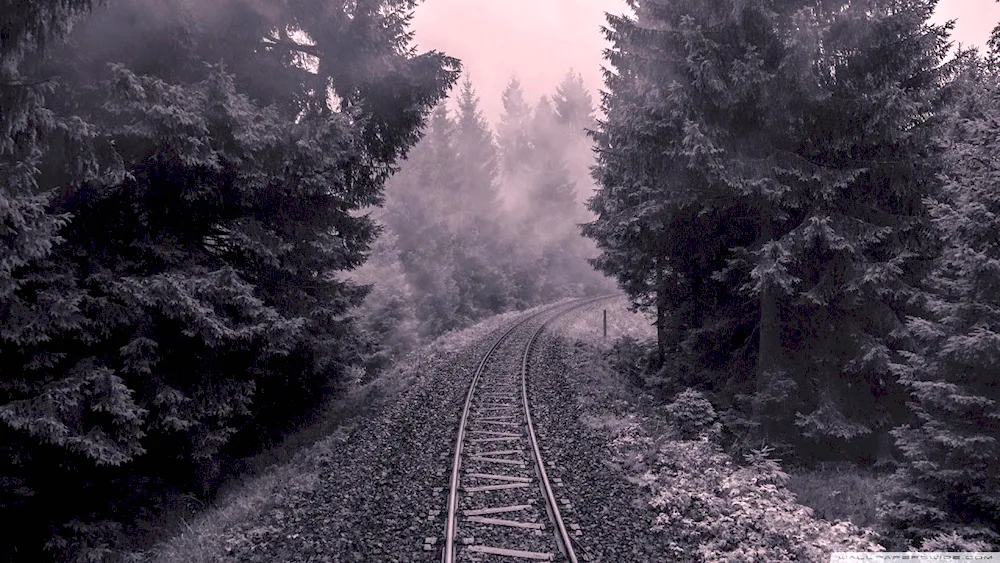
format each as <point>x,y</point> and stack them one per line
<point>633,358</point>
<point>955,541</point>
<point>721,512</point>
<point>693,416</point>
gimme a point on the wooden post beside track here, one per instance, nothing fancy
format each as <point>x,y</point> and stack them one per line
<point>605,323</point>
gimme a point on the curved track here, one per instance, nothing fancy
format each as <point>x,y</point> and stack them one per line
<point>501,516</point>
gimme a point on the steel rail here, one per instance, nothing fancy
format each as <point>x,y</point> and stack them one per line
<point>449,534</point>
<point>448,555</point>
<point>562,536</point>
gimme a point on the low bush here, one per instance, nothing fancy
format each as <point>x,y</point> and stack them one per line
<point>633,358</point>
<point>842,491</point>
<point>693,416</point>
<point>724,512</point>
<point>714,509</point>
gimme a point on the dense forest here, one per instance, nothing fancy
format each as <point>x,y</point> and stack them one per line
<point>479,222</point>
<point>215,215</point>
<point>804,195</point>
<point>181,183</point>
<point>189,193</point>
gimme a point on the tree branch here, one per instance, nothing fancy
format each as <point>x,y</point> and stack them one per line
<point>292,45</point>
<point>37,82</point>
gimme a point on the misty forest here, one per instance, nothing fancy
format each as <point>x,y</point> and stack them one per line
<point>254,251</point>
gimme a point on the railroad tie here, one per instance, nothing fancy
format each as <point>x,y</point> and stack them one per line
<point>536,555</point>
<point>490,459</point>
<point>495,453</point>
<point>504,410</point>
<point>508,523</point>
<point>496,439</point>
<point>502,487</point>
<point>499,477</point>
<point>495,510</point>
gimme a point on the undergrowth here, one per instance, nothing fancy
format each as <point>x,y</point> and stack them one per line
<point>839,492</point>
<point>713,505</point>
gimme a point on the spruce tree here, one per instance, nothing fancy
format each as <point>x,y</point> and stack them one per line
<point>485,257</point>
<point>658,152</point>
<point>513,130</point>
<point>783,240</point>
<point>191,306</point>
<point>951,472</point>
<point>573,104</point>
<point>551,194</point>
<point>477,157</point>
<point>855,239</point>
<point>424,219</point>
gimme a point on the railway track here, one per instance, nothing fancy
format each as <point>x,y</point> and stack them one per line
<point>501,505</point>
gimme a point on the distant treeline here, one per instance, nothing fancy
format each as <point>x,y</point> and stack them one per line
<point>806,194</point>
<point>180,184</point>
<point>477,222</point>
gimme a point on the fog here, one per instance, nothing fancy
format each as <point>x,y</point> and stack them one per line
<point>541,40</point>
<point>974,20</point>
<point>188,219</point>
<point>445,203</point>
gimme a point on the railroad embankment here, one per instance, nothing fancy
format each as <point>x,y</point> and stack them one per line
<point>652,482</point>
<point>636,481</point>
<point>370,490</point>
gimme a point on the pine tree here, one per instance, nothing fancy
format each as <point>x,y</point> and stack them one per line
<point>192,304</point>
<point>423,218</point>
<point>513,130</point>
<point>485,258</point>
<point>551,193</point>
<point>42,305</point>
<point>573,104</point>
<point>477,158</point>
<point>855,242</point>
<point>723,167</point>
<point>657,158</point>
<point>951,474</point>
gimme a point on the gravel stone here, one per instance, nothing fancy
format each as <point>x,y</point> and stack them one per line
<point>383,492</point>
<point>599,498</point>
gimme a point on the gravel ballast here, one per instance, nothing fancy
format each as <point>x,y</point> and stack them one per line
<point>598,504</point>
<point>379,492</point>
<point>381,497</point>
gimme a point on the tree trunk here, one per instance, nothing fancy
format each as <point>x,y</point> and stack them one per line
<point>884,457</point>
<point>769,350</point>
<point>661,317</point>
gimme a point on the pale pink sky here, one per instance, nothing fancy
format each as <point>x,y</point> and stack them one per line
<point>542,39</point>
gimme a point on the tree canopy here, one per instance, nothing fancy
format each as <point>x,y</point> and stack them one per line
<point>185,195</point>
<point>777,240</point>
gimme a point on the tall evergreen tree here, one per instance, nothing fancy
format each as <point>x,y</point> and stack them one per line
<point>572,103</point>
<point>951,473</point>
<point>655,157</point>
<point>192,303</point>
<point>722,162</point>
<point>513,133</point>
<point>551,195</point>
<point>856,241</point>
<point>477,158</point>
<point>423,217</point>
<point>29,227</point>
